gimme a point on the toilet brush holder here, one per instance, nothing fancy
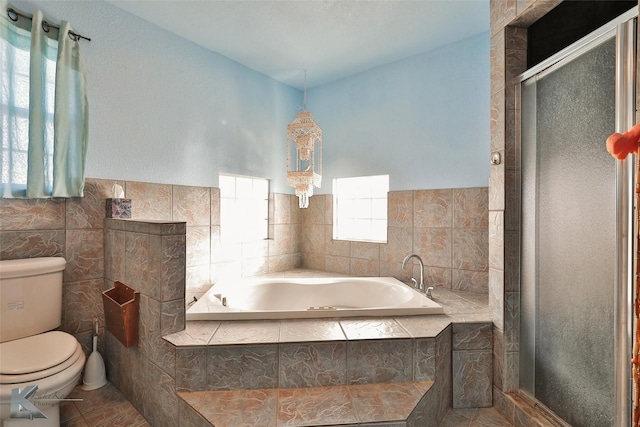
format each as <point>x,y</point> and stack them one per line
<point>94,372</point>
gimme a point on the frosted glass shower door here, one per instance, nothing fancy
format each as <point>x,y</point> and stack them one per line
<point>569,239</point>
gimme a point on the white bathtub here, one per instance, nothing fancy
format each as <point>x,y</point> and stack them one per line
<point>291,298</point>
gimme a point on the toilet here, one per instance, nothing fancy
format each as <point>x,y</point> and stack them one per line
<point>31,351</point>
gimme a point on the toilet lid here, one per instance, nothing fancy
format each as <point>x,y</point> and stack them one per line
<point>36,353</point>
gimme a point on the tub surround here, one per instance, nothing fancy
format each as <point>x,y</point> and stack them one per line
<point>302,363</point>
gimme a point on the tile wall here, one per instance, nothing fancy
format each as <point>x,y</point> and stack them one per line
<point>448,229</point>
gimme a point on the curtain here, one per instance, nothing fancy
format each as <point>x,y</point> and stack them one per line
<point>44,109</point>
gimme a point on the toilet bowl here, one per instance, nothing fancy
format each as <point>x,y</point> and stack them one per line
<point>52,361</point>
<point>32,351</point>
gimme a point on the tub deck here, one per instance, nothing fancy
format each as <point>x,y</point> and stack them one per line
<point>358,357</point>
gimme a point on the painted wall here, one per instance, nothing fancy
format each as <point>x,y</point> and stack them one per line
<point>164,110</point>
<point>424,120</point>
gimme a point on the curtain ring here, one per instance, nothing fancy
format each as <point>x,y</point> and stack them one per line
<point>12,14</point>
<point>73,36</point>
<point>45,26</point>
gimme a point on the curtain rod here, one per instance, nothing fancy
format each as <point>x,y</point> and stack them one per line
<point>13,15</point>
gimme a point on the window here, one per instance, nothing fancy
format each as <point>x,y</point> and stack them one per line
<point>244,209</point>
<point>43,110</point>
<point>360,208</point>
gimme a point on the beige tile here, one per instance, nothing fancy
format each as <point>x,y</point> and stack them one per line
<point>240,332</point>
<point>400,209</point>
<point>315,406</point>
<point>32,214</point>
<point>149,201</point>
<point>377,328</point>
<point>240,408</point>
<point>192,205</point>
<point>433,208</point>
<point>310,330</point>
<point>384,402</point>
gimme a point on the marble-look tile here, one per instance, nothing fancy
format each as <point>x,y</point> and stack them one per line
<point>191,368</point>
<point>242,367</point>
<point>136,264</point>
<point>282,209</point>
<point>32,244</point>
<point>313,239</point>
<point>377,328</point>
<point>372,361</point>
<point>364,267</point>
<point>189,417</point>
<point>114,255</point>
<point>198,245</point>
<point>433,208</point>
<point>313,364</point>
<point>424,359</point>
<point>470,281</point>
<point>32,214</point>
<point>438,277</point>
<point>434,245</point>
<point>365,250</point>
<point>172,318</point>
<point>107,395</point>
<point>161,401</point>
<point>470,207</point>
<point>400,209</point>
<point>84,255</point>
<point>472,379</point>
<point>470,249</point>
<point>151,344</point>
<point>472,336</point>
<point>337,264</point>
<point>315,213</point>
<point>192,205</point>
<point>424,326</point>
<point>196,333</point>
<point>121,414</point>
<point>310,330</point>
<point>167,271</point>
<point>89,211</point>
<point>338,248</point>
<point>281,263</point>
<point>82,303</point>
<point>315,406</point>
<point>281,242</point>
<point>215,206</point>
<point>384,402</point>
<point>149,201</point>
<point>245,408</point>
<point>490,417</point>
<point>399,244</point>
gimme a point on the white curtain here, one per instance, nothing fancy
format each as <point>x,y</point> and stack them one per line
<point>43,109</point>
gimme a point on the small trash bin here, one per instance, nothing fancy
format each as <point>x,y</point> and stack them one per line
<point>121,312</point>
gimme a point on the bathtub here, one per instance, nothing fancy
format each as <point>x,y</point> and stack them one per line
<point>302,297</point>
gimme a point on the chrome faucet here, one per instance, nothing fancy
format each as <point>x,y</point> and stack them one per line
<point>404,263</point>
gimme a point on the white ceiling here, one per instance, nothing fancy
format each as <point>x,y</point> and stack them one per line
<point>331,39</point>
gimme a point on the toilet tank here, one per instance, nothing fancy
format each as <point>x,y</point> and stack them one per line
<point>30,296</point>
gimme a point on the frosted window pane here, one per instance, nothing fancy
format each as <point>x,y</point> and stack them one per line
<point>244,188</point>
<point>227,186</point>
<point>379,209</point>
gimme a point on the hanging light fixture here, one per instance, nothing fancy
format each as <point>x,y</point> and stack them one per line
<point>304,153</point>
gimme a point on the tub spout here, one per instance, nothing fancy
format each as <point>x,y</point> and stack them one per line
<point>404,263</point>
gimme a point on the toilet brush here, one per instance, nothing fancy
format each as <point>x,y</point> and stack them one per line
<point>94,373</point>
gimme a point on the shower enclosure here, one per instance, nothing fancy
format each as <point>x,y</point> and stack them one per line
<point>577,230</point>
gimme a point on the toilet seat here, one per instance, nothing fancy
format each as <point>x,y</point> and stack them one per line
<point>37,357</point>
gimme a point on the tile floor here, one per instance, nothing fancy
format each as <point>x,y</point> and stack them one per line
<point>107,407</point>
